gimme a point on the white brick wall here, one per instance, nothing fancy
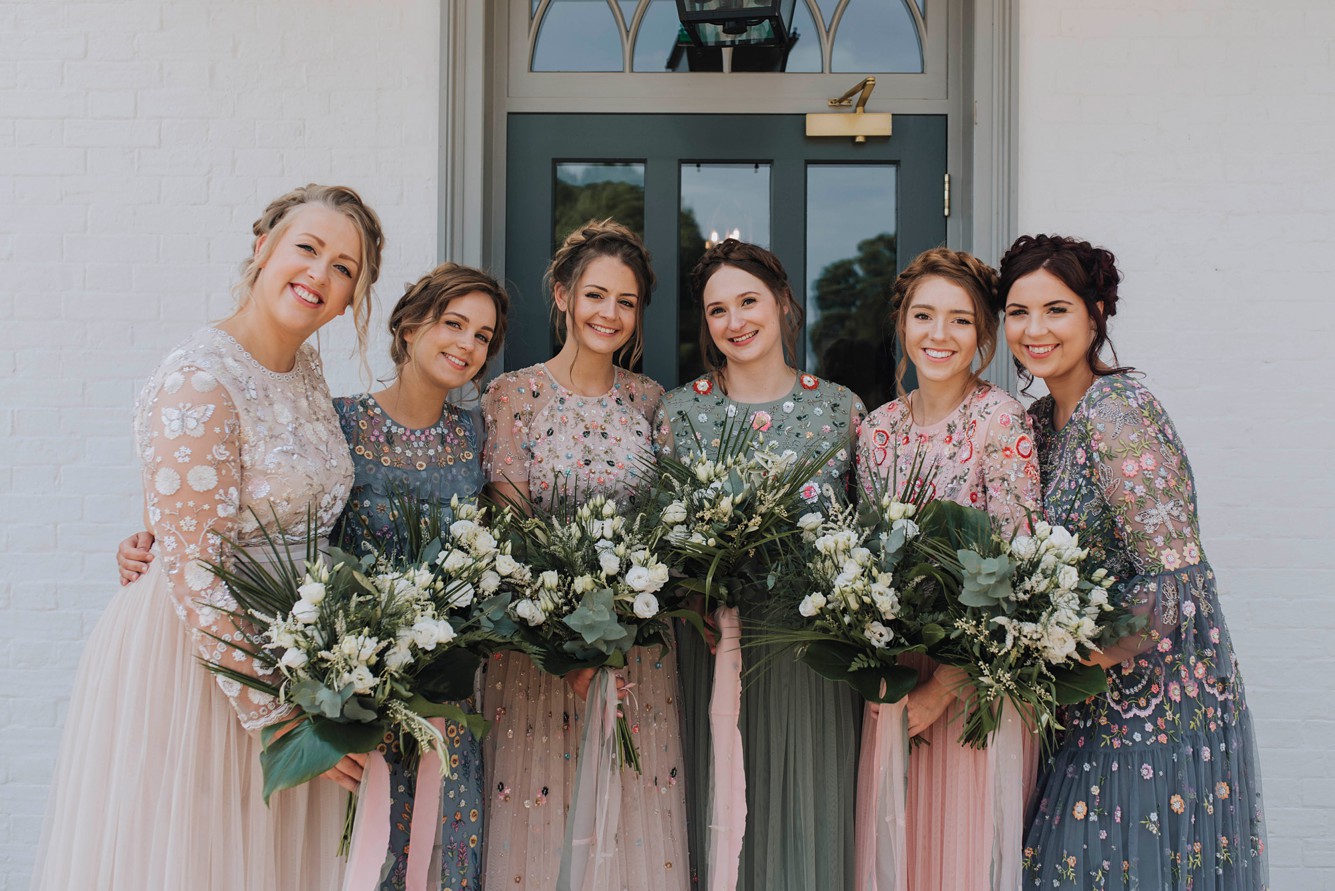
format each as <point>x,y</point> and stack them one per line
<point>138,140</point>
<point>1197,141</point>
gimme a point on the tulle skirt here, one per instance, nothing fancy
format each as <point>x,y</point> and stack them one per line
<point>157,786</point>
<point>530,757</point>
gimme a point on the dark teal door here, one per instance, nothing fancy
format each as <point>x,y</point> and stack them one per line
<point>843,218</point>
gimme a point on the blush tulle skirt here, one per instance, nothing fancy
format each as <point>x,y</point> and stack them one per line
<point>157,786</point>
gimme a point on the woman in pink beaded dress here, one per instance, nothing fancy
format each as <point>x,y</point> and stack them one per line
<point>578,423</point>
<point>960,800</point>
<point>158,783</point>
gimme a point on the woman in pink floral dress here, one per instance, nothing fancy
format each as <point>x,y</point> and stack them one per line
<point>578,423</point>
<point>976,439</point>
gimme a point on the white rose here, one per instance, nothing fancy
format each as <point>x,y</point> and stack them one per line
<point>424,634</point>
<point>483,542</point>
<point>1068,578</point>
<point>462,596</point>
<point>639,579</point>
<point>361,679</point>
<point>609,562</point>
<point>886,602</point>
<point>861,556</point>
<point>305,612</point>
<point>294,659</point>
<point>646,605</point>
<point>1023,547</point>
<point>674,513</point>
<point>878,635</point>
<point>444,632</point>
<point>506,565</point>
<point>489,582</point>
<point>810,522</point>
<point>397,658</point>
<point>455,561</point>
<point>530,612</point>
<point>463,529</point>
<point>812,604</point>
<point>1058,644</point>
<point>312,592</point>
<point>660,573</point>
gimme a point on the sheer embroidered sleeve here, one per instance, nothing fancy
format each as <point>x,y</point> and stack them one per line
<point>191,440</point>
<point>1010,469</point>
<point>507,412</point>
<point>1147,483</point>
<point>664,442</point>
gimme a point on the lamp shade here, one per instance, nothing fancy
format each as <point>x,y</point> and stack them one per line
<point>720,23</point>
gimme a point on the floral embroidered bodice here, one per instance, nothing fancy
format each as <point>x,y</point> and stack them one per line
<point>982,453</point>
<point>431,465</point>
<point>1116,474</point>
<point>231,450</point>
<point>555,441</point>
<point>815,417</point>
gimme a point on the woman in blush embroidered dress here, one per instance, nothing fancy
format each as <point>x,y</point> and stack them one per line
<point>1154,784</point>
<point>976,439</point>
<point>408,441</point>
<point>578,423</point>
<point>799,731</point>
<point>158,782</point>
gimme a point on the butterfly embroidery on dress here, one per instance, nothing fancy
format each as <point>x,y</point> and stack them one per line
<point>185,420</point>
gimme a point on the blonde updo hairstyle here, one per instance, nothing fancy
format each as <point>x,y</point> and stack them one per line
<point>601,238</point>
<point>340,199</point>
<point>426,300</point>
<point>977,279</point>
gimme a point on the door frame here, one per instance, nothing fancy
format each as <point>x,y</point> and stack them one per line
<point>980,105</point>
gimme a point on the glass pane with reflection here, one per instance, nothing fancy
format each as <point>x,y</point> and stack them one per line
<point>718,201</point>
<point>595,190</point>
<point>578,35</point>
<point>877,35</point>
<point>805,54</point>
<point>851,266</point>
<point>660,44</point>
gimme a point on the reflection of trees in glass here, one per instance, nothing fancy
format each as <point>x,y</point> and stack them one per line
<point>575,205</point>
<point>690,248</point>
<point>851,340</point>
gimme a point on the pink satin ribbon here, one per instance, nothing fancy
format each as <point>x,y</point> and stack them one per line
<point>727,805</point>
<point>880,834</point>
<point>369,850</point>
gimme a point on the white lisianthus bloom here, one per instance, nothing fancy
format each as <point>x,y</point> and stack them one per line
<point>484,543</point>
<point>305,612</point>
<point>455,561</point>
<point>463,529</point>
<point>861,556</point>
<point>639,579</point>
<point>462,596</point>
<point>1023,547</point>
<point>878,635</point>
<point>424,634</point>
<point>847,577</point>
<point>674,513</point>
<point>1068,578</point>
<point>1058,644</point>
<point>530,612</point>
<point>886,601</point>
<point>312,592</point>
<point>489,582</point>
<point>506,565</point>
<point>910,528</point>
<point>646,605</point>
<point>1061,538</point>
<point>826,545</point>
<point>397,658</point>
<point>294,659</point>
<point>660,573</point>
<point>549,580</point>
<point>812,604</point>
<point>361,679</point>
<point>1098,597</point>
<point>583,584</point>
<point>810,522</point>
<point>609,562</point>
<point>444,632</point>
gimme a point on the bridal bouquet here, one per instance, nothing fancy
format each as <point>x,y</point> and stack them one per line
<point>593,592</point>
<point>365,646</point>
<point>1026,612</point>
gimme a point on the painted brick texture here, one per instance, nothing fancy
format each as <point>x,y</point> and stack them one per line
<point>1197,141</point>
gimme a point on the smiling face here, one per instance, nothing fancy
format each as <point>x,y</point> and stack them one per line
<point>940,332</point>
<point>744,317</point>
<point>600,309</point>
<point>1049,329</point>
<point>450,351</point>
<point>309,275</point>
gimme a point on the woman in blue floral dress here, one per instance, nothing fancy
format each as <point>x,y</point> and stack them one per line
<point>799,731</point>
<point>408,441</point>
<point>1154,784</point>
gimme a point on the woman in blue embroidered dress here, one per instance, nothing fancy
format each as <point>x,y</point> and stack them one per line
<point>1154,784</point>
<point>409,441</point>
<point>799,731</point>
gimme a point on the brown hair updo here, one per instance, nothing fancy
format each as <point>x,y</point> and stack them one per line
<point>1090,272</point>
<point>340,199</point>
<point>764,266</point>
<point>425,301</point>
<point>977,279</point>
<point>601,238</point>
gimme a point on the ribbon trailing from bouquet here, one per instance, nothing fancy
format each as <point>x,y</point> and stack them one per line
<point>587,858</point>
<point>881,849</point>
<point>727,803</point>
<point>1006,770</point>
<point>368,853</point>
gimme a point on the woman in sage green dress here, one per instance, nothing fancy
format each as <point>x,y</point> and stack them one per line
<point>1154,784</point>
<point>799,731</point>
